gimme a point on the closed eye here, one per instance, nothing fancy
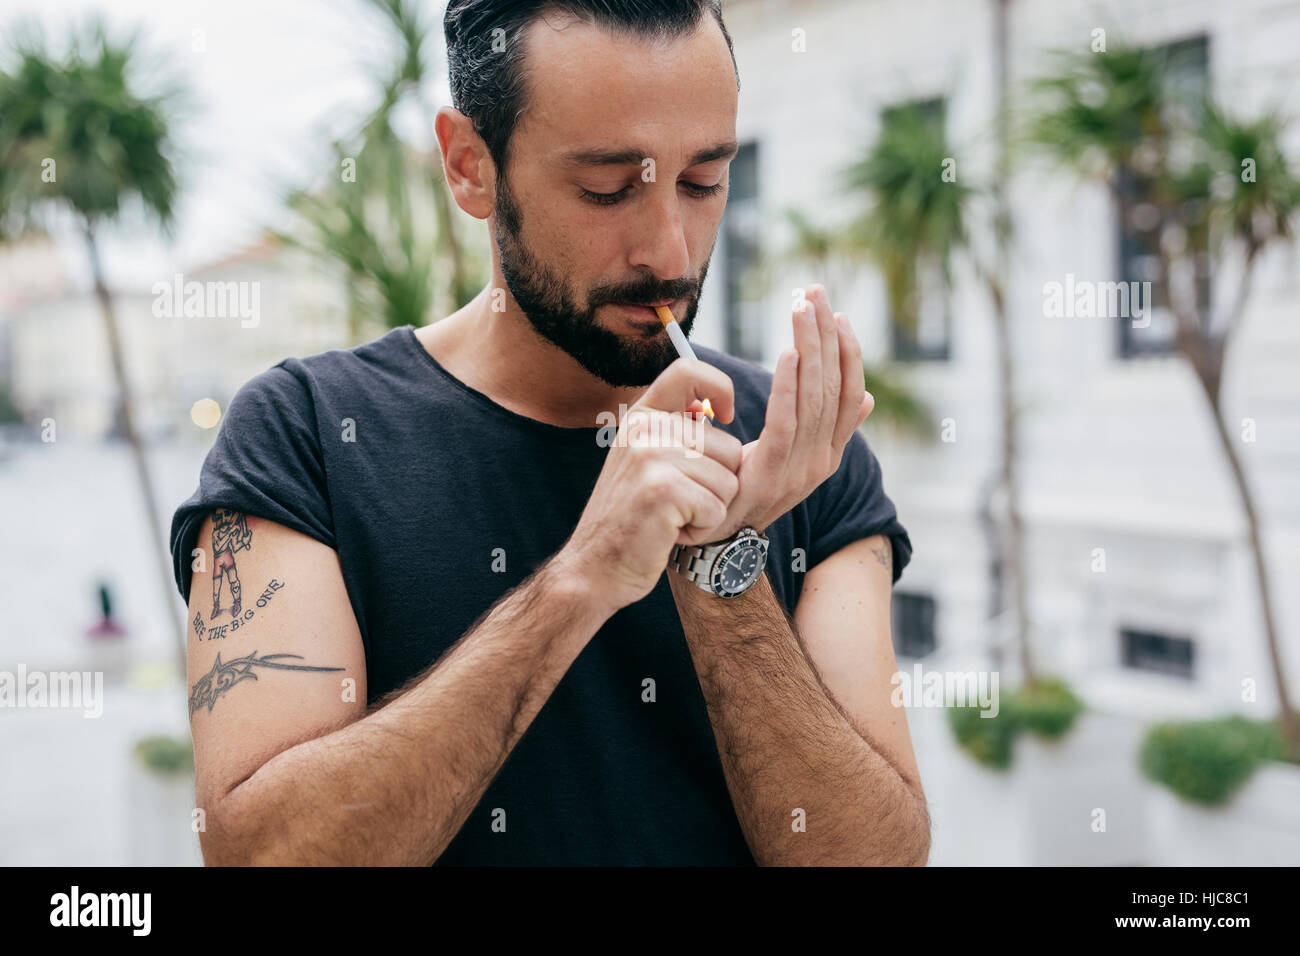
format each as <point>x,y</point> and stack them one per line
<point>611,199</point>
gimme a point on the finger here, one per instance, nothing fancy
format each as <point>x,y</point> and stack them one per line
<point>808,341</point>
<point>830,355</point>
<point>701,510</point>
<point>688,380</point>
<point>781,424</point>
<point>704,438</point>
<point>852,384</point>
<point>713,476</point>
<point>868,405</point>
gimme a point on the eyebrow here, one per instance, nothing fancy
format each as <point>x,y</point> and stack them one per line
<point>634,157</point>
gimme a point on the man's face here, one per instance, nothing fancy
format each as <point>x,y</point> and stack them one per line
<point>573,262</point>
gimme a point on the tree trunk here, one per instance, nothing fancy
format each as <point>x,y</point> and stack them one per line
<point>1287,719</point>
<point>1013,554</point>
<point>127,418</point>
<point>1207,361</point>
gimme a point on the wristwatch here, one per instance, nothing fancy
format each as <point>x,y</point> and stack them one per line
<point>724,568</point>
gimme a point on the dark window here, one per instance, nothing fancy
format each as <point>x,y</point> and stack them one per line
<point>1187,73</point>
<point>744,316</point>
<point>913,624</point>
<point>1162,653</point>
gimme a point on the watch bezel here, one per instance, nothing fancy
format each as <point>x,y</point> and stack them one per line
<point>751,540</point>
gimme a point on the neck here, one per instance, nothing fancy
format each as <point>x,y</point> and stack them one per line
<point>500,355</point>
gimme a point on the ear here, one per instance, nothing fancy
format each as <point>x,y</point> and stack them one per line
<point>466,163</point>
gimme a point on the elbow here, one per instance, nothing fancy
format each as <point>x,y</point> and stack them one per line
<point>226,839</point>
<point>239,831</point>
<point>916,833</point>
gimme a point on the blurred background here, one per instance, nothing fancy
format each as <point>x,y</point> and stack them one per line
<point>1064,234</point>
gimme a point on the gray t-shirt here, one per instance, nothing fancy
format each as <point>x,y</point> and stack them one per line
<point>441,503</point>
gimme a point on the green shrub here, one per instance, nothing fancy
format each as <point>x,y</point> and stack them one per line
<point>1206,761</point>
<point>166,755</point>
<point>988,739</point>
<point>1047,708</point>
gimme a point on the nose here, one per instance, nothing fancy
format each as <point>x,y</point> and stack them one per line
<point>661,245</point>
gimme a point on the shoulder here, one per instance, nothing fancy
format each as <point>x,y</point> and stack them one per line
<point>301,382</point>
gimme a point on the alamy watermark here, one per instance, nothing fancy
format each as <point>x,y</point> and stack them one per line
<point>643,428</point>
<point>53,690</point>
<point>946,689</point>
<point>208,300</point>
<point>1084,299</point>
<point>130,910</point>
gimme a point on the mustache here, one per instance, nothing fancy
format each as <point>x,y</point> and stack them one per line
<point>641,295</point>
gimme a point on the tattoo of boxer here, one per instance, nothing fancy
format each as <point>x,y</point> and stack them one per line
<point>229,534</point>
<point>226,674</point>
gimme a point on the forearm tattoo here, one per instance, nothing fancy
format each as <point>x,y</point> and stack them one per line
<point>226,674</point>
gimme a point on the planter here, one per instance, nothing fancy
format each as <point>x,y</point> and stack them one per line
<point>1039,812</point>
<point>160,808</point>
<point>1076,784</point>
<point>1259,826</point>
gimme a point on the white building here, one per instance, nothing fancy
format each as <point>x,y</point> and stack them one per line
<point>1118,453</point>
<point>256,307</point>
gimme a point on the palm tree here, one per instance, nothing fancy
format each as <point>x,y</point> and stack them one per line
<point>919,220</point>
<point>832,253</point>
<point>413,34</point>
<point>110,149</point>
<point>389,226</point>
<point>375,228</point>
<point>1217,184</point>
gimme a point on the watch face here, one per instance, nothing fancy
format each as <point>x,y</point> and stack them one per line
<point>739,566</point>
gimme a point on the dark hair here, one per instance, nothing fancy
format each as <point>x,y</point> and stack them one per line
<point>488,82</point>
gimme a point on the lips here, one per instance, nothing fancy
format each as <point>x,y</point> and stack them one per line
<point>646,311</point>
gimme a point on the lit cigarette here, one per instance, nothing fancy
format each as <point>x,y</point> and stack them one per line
<point>679,341</point>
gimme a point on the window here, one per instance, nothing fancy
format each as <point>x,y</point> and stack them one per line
<point>1187,69</point>
<point>743,310</point>
<point>1161,653</point>
<point>913,624</point>
<point>928,338</point>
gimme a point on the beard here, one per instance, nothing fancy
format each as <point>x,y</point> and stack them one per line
<point>621,362</point>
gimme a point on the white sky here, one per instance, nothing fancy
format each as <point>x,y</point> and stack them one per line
<point>275,79</point>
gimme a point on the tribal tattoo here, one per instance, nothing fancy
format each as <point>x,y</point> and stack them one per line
<point>226,674</point>
<point>229,534</point>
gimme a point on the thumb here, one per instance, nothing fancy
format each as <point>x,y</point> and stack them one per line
<point>686,381</point>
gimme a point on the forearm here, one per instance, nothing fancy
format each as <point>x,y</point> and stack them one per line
<point>396,786</point>
<point>785,745</point>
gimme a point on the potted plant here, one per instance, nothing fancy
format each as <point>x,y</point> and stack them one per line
<point>1226,794</point>
<point>161,803</point>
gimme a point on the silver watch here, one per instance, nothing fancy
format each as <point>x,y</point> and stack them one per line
<point>725,568</point>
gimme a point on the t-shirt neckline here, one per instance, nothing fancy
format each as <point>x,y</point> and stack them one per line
<point>584,432</point>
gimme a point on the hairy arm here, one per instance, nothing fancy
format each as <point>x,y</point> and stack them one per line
<point>291,768</point>
<point>820,770</point>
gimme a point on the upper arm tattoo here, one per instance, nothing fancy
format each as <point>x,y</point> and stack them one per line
<point>229,534</point>
<point>226,674</point>
<point>884,552</point>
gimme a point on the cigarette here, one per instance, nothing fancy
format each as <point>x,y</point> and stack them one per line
<point>678,338</point>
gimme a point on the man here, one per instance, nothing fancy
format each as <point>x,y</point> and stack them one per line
<point>475,651</point>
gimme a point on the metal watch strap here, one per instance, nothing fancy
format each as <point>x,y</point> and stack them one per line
<point>693,561</point>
